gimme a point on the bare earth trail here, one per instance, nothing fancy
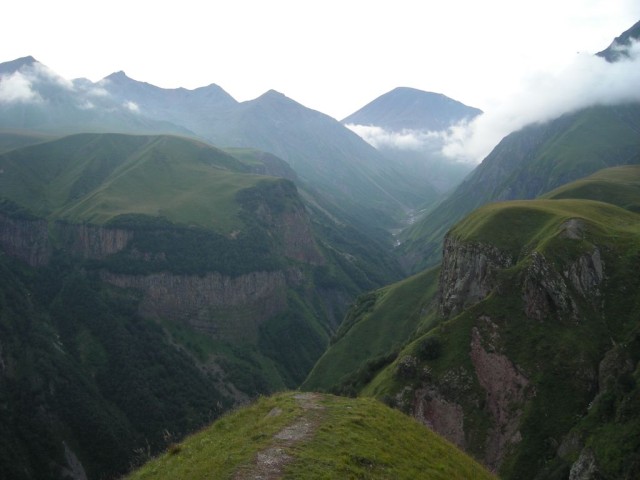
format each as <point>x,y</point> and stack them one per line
<point>269,463</point>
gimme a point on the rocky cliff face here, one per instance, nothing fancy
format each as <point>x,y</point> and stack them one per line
<point>505,390</point>
<point>221,306</point>
<point>91,241</point>
<point>444,403</point>
<point>30,240</point>
<point>442,415</point>
<point>468,274</point>
<point>564,290</point>
<point>550,292</point>
<point>25,239</point>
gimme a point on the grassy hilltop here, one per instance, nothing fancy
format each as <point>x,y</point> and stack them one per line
<point>313,436</point>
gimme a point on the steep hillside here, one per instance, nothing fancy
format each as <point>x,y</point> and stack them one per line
<point>10,140</point>
<point>619,186</point>
<point>87,385</point>
<point>530,356</point>
<point>528,163</point>
<point>327,156</point>
<point>94,178</point>
<point>351,176</point>
<point>156,271</point>
<point>312,436</point>
<point>370,336</point>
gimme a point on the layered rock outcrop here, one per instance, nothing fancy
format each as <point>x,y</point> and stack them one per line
<point>467,275</point>
<point>221,306</point>
<point>549,291</point>
<point>25,239</point>
<point>91,241</point>
<point>30,239</point>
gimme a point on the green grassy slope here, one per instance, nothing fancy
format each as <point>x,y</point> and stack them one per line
<point>528,163</point>
<point>521,226</point>
<point>372,332</point>
<point>562,354</point>
<point>12,139</point>
<point>380,321</point>
<point>94,178</point>
<point>618,185</point>
<point>348,438</point>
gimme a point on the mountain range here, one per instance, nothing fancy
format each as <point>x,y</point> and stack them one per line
<point>325,154</point>
<point>168,255</point>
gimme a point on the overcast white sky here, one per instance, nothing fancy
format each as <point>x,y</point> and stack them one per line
<point>331,55</point>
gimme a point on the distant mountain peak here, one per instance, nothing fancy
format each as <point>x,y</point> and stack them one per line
<point>413,90</point>
<point>118,76</point>
<point>410,108</point>
<point>17,64</point>
<point>273,97</point>
<point>615,51</point>
<point>28,60</point>
<point>272,94</point>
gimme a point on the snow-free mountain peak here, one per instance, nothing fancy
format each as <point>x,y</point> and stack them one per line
<point>118,76</point>
<point>409,108</point>
<point>616,51</point>
<point>17,64</point>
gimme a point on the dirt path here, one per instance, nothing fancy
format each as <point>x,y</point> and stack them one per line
<point>270,462</point>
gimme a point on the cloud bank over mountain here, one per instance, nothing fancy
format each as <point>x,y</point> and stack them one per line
<point>588,81</point>
<point>22,85</point>
<point>17,88</point>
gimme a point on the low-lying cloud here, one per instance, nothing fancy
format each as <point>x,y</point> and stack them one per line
<point>97,92</point>
<point>41,73</point>
<point>17,88</point>
<point>131,106</point>
<point>22,86</point>
<point>588,81</point>
<point>402,140</point>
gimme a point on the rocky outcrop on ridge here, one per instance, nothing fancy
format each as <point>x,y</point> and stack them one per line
<point>467,275</point>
